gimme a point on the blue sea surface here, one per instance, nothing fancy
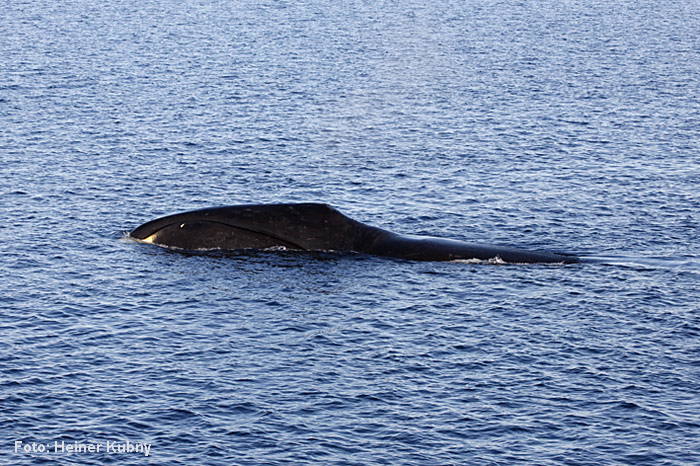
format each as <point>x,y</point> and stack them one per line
<point>568,126</point>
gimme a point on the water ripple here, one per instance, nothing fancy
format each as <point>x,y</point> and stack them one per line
<point>538,125</point>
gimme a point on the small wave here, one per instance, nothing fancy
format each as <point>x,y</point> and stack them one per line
<point>492,261</point>
<point>276,248</point>
<point>675,263</point>
<point>126,237</point>
<point>499,261</point>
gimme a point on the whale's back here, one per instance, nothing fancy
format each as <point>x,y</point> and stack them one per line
<point>307,226</point>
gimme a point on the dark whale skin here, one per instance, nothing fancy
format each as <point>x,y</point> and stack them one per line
<point>315,227</point>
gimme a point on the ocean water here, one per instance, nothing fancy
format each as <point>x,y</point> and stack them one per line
<point>569,126</point>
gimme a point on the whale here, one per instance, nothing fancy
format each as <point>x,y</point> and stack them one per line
<point>316,227</point>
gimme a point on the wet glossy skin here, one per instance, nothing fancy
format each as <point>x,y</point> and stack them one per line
<point>314,227</point>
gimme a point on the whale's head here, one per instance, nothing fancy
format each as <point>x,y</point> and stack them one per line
<point>288,226</point>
